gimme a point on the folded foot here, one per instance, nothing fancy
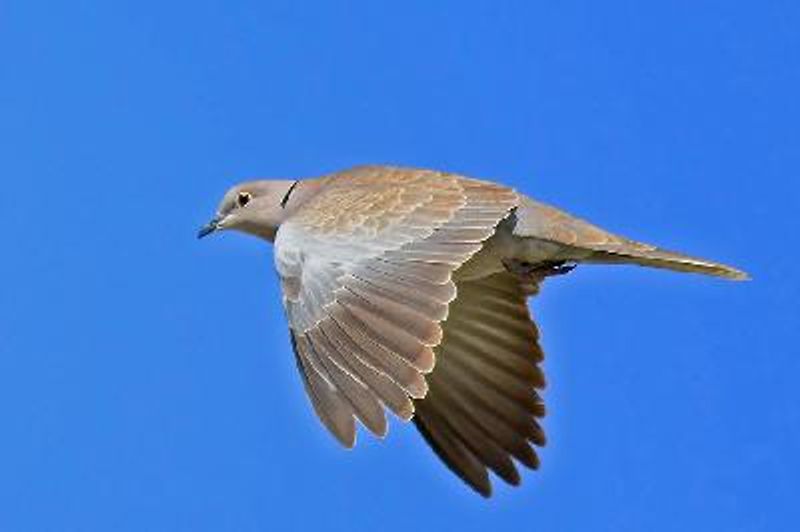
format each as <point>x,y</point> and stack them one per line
<point>536,272</point>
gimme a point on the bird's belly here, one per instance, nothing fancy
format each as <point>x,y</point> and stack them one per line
<point>504,245</point>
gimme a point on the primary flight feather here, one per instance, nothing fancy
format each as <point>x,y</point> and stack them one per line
<point>407,289</point>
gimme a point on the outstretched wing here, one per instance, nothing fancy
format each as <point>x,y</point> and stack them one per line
<point>366,268</point>
<point>482,406</point>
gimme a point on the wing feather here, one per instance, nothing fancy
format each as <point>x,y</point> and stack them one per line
<point>403,316</point>
<point>379,356</point>
<point>450,448</point>
<point>365,406</point>
<point>334,411</point>
<point>467,427</point>
<point>391,394</point>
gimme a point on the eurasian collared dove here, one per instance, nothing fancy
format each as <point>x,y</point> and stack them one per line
<point>407,289</point>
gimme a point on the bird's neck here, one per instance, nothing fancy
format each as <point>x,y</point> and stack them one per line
<point>299,193</point>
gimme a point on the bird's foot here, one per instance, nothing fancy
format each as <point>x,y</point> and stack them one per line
<point>538,271</point>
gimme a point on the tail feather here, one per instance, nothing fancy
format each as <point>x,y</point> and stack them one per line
<point>658,258</point>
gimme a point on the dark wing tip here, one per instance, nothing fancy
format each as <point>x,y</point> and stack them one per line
<point>478,481</point>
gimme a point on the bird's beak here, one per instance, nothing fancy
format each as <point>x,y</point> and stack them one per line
<point>209,228</point>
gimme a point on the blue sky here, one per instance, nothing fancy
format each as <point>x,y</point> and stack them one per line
<point>146,379</point>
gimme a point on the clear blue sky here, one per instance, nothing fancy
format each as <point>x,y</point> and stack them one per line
<point>146,379</point>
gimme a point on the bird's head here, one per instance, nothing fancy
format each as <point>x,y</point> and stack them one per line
<point>256,207</point>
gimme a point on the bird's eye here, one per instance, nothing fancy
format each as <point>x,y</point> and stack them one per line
<point>243,198</point>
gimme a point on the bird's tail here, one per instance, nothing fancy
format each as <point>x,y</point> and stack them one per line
<point>580,241</point>
<point>644,255</point>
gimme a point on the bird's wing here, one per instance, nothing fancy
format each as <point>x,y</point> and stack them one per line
<point>366,268</point>
<point>482,406</point>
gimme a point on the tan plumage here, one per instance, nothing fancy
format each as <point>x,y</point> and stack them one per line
<point>407,289</point>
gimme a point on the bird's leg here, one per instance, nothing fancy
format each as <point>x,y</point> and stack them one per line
<point>537,271</point>
<point>560,268</point>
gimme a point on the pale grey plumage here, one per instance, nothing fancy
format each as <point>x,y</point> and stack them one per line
<point>407,289</point>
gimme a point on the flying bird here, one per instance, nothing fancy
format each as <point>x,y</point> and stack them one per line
<point>406,289</point>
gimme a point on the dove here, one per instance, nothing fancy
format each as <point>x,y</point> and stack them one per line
<point>406,290</point>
